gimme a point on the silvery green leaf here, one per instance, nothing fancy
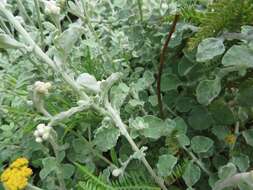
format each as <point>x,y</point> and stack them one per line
<point>210,48</point>
<point>49,165</point>
<point>207,90</point>
<point>201,144</point>
<point>248,136</point>
<point>118,94</point>
<point>134,102</point>
<point>66,41</point>
<point>106,137</point>
<point>88,82</point>
<point>247,30</point>
<point>165,164</point>
<point>157,127</point>
<point>241,161</point>
<point>67,170</point>
<point>75,9</point>
<point>169,82</point>
<point>227,171</point>
<point>191,174</point>
<point>138,123</point>
<point>238,56</point>
<point>8,42</point>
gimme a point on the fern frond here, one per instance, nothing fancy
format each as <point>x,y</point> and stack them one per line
<point>134,181</point>
<point>177,172</point>
<point>127,182</point>
<point>223,15</point>
<point>91,182</point>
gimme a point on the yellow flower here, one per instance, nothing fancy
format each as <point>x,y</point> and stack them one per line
<point>230,139</point>
<point>15,177</point>
<point>19,163</point>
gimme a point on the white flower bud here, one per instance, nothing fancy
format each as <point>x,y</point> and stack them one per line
<point>38,140</point>
<point>45,136</point>
<point>36,133</point>
<point>41,127</point>
<point>42,87</point>
<point>47,129</point>
<point>52,8</point>
<point>116,172</point>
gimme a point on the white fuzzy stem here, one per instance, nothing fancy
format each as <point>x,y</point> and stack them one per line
<point>38,51</point>
<point>119,123</point>
<point>233,180</point>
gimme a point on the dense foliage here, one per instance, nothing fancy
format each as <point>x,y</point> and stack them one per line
<point>78,93</point>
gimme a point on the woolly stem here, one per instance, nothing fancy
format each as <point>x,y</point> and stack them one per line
<point>57,156</point>
<point>140,9</point>
<point>234,180</point>
<point>38,51</point>
<point>37,8</point>
<point>198,161</point>
<point>32,187</point>
<point>122,127</point>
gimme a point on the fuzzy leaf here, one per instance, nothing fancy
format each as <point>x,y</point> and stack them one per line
<point>166,164</point>
<point>207,90</point>
<point>106,137</point>
<point>238,56</point>
<point>248,136</point>
<point>192,174</point>
<point>210,48</point>
<point>201,144</point>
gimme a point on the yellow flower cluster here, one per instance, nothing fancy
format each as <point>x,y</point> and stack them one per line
<point>15,177</point>
<point>230,139</point>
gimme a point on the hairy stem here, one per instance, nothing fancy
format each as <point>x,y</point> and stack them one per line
<point>198,161</point>
<point>57,156</point>
<point>37,8</point>
<point>140,9</point>
<point>32,187</point>
<point>233,180</point>
<point>119,123</point>
<point>162,59</point>
<point>38,51</point>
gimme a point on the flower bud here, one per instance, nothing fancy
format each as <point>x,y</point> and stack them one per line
<point>38,140</point>
<point>42,87</point>
<point>52,8</point>
<point>116,172</point>
<point>45,136</point>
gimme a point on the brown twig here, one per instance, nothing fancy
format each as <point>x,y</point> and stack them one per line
<point>162,59</point>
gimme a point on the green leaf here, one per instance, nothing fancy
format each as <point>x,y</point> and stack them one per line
<point>201,144</point>
<point>248,136</point>
<point>227,171</point>
<point>207,90</point>
<point>119,94</point>
<point>241,161</point>
<point>68,170</point>
<point>8,42</point>
<point>169,82</point>
<point>245,94</point>
<point>199,118</point>
<point>49,165</point>
<point>192,174</point>
<point>166,164</point>
<point>106,137</point>
<point>238,56</point>
<point>210,48</point>
<point>66,41</point>
<point>157,127</point>
<point>221,113</point>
